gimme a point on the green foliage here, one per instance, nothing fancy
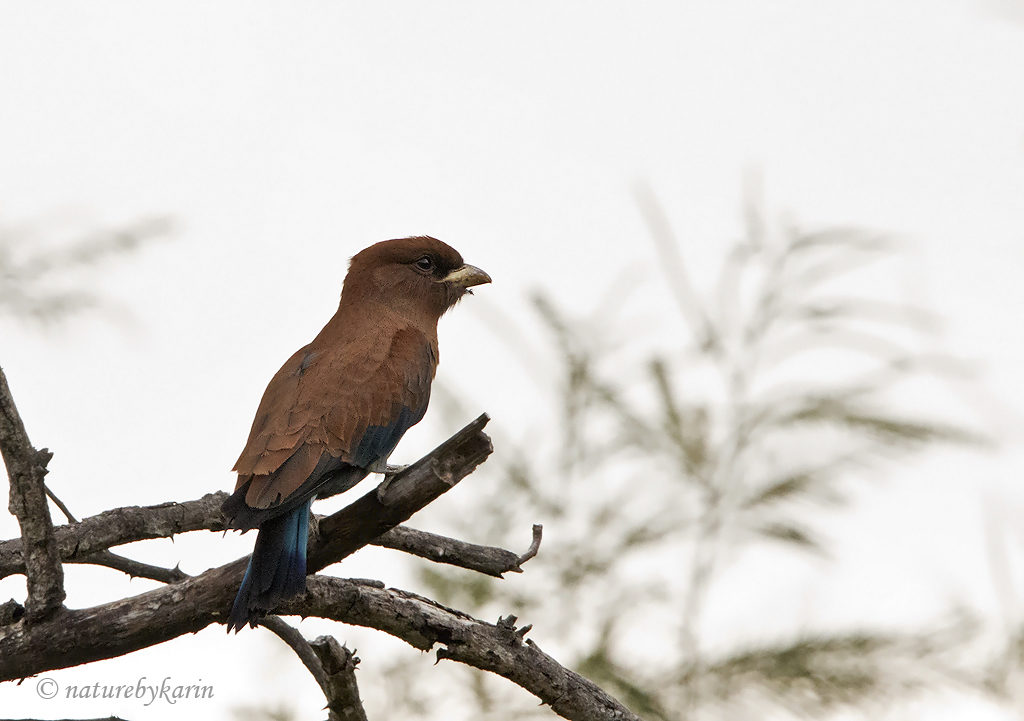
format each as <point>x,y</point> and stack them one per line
<point>780,391</point>
<point>814,673</point>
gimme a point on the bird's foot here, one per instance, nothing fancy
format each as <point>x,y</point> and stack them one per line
<point>394,470</point>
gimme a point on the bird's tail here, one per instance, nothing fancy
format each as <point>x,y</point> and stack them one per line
<point>277,567</point>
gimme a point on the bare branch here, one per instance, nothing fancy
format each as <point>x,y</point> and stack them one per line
<point>497,648</point>
<point>77,541</point>
<point>331,664</point>
<point>80,542</point>
<point>538,533</point>
<point>113,629</point>
<point>297,643</point>
<point>60,504</point>
<point>10,611</point>
<point>490,560</point>
<point>398,497</point>
<point>342,692</point>
<point>135,569</point>
<point>26,468</point>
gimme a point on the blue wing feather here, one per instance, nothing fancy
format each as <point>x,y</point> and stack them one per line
<point>378,442</point>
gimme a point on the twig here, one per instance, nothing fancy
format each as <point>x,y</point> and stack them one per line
<point>26,468</point>
<point>77,541</point>
<point>135,569</point>
<point>538,533</point>
<point>60,504</point>
<point>490,560</point>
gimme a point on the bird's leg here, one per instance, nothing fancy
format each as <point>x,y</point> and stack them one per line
<point>381,465</point>
<point>390,472</point>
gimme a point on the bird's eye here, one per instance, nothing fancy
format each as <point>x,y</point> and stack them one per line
<point>425,264</point>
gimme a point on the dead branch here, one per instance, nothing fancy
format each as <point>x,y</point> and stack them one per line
<point>297,643</point>
<point>135,569</point>
<point>113,629</point>
<point>81,542</point>
<point>79,636</point>
<point>538,534</point>
<point>26,467</point>
<point>60,504</point>
<point>342,693</point>
<point>497,648</point>
<point>10,611</point>
<point>331,665</point>
<point>77,541</point>
<point>490,560</point>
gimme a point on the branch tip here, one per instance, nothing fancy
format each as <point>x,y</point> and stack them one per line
<point>538,534</point>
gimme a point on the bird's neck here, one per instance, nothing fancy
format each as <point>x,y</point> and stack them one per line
<point>370,316</point>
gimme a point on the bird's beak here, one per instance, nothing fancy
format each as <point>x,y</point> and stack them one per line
<point>466,276</point>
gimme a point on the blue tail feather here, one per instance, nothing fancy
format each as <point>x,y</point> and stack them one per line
<point>277,567</point>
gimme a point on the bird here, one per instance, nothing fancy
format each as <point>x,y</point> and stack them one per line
<point>337,408</point>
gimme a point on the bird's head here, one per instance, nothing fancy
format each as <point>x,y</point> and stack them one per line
<point>418,276</point>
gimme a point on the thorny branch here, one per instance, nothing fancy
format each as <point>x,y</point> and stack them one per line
<point>332,665</point>
<point>338,682</point>
<point>113,629</point>
<point>46,636</point>
<point>26,467</point>
<point>499,648</point>
<point>83,542</point>
<point>339,664</point>
<point>135,569</point>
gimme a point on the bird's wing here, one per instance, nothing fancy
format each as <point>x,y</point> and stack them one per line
<point>387,397</point>
<point>334,406</point>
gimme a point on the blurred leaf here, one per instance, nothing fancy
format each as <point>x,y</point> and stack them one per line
<point>789,534</point>
<point>643,469</point>
<point>838,238</point>
<point>815,673</point>
<point>686,429</point>
<point>36,283</point>
<point>791,485</point>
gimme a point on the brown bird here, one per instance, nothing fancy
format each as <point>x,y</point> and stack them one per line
<point>337,408</point>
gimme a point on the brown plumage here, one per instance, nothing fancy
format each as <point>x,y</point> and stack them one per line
<point>337,408</point>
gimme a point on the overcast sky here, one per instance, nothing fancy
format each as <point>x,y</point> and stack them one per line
<point>284,137</point>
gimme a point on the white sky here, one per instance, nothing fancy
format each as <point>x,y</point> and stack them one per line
<point>284,137</point>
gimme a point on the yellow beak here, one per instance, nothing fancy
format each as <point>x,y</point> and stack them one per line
<point>467,276</point>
